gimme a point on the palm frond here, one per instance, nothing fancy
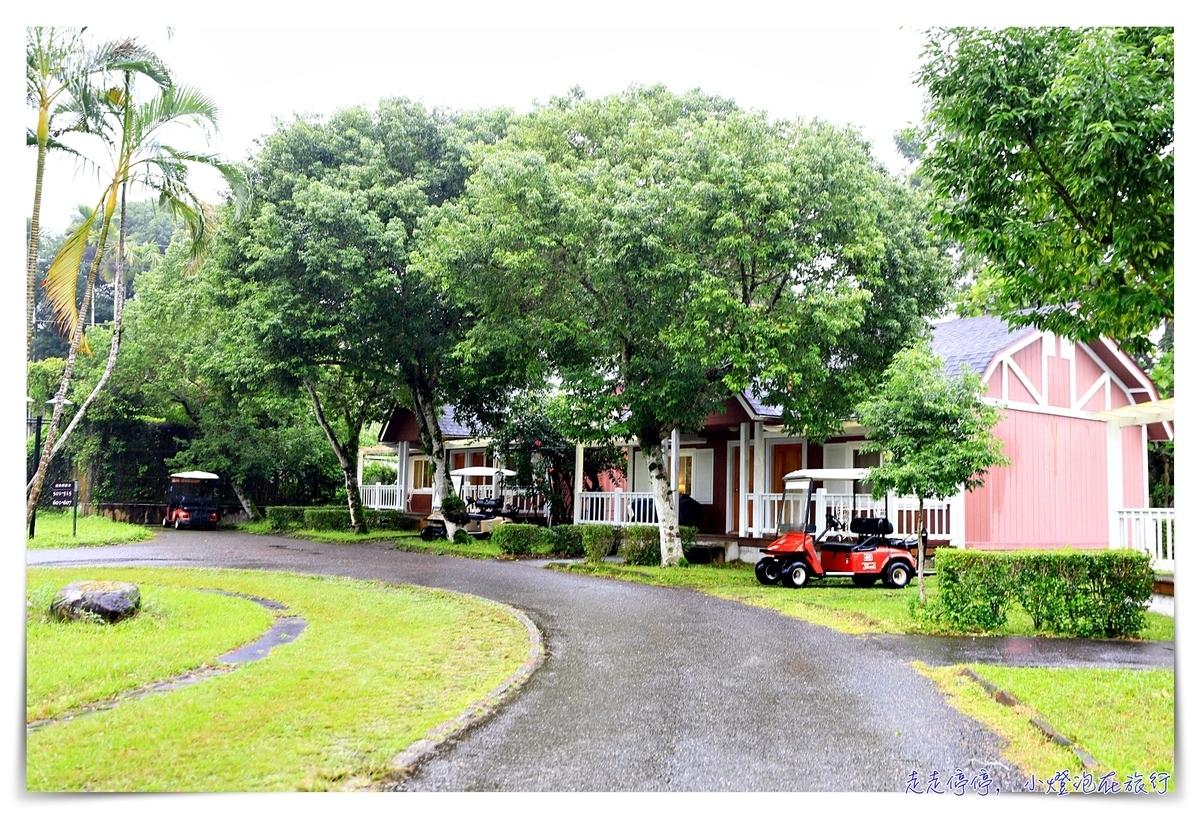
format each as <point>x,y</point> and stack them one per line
<point>62,278</point>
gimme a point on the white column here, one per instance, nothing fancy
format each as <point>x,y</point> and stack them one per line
<point>893,511</point>
<point>1115,483</point>
<point>760,477</point>
<point>1145,466</point>
<point>743,477</point>
<point>578,504</point>
<point>402,477</point>
<point>820,511</point>
<point>675,469</point>
<point>360,466</point>
<point>958,520</point>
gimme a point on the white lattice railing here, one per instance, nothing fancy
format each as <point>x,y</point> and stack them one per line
<point>379,496</point>
<point>617,507</point>
<point>1151,530</point>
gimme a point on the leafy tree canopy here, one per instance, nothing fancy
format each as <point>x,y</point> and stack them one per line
<point>1052,154</point>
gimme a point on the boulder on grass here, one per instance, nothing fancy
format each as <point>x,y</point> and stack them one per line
<point>110,601</point>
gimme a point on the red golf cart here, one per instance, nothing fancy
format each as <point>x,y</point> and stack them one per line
<point>191,500</point>
<point>865,554</point>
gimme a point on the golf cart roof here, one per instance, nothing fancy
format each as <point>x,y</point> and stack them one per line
<point>827,474</point>
<point>195,475</point>
<point>481,471</point>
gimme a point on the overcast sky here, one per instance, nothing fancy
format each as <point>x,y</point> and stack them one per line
<point>787,65</point>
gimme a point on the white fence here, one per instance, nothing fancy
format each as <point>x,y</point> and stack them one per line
<point>388,496</point>
<point>380,495</point>
<point>1151,530</point>
<point>617,507</point>
<point>762,510</point>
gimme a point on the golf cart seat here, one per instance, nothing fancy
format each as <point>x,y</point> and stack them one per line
<point>871,526</point>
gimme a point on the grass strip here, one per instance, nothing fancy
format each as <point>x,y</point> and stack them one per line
<point>53,530</point>
<point>377,667</point>
<point>834,602</point>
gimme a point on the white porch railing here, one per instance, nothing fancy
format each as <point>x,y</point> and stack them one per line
<point>380,496</point>
<point>1151,530</point>
<point>617,507</point>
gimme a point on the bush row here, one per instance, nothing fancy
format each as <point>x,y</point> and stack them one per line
<point>334,518</point>
<point>637,544</point>
<point>1088,593</point>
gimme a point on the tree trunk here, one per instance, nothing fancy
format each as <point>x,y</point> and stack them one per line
<point>668,516</point>
<point>434,446</point>
<point>60,397</point>
<point>247,505</point>
<point>921,547</point>
<point>118,313</point>
<point>34,236</point>
<point>349,465</point>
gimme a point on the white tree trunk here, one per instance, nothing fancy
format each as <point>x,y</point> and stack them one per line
<point>921,547</point>
<point>427,417</point>
<point>668,515</point>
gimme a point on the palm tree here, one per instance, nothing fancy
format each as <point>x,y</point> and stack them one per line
<point>59,75</point>
<point>139,158</point>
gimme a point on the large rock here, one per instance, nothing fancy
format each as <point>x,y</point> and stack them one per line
<point>111,601</point>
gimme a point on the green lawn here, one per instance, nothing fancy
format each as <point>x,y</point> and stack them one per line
<point>376,669</point>
<point>834,602</point>
<point>53,530</point>
<point>1124,718</point>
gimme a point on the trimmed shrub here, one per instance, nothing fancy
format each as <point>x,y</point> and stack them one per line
<point>327,518</point>
<point>461,537</point>
<point>454,510</point>
<point>974,588</point>
<point>563,540</point>
<point>389,519</point>
<point>597,541</point>
<point>281,518</point>
<point>515,538</point>
<point>640,545</point>
<point>1074,593</point>
<point>687,535</point>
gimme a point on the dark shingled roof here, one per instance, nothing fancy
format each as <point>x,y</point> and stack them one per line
<point>759,408</point>
<point>450,426</point>
<point>974,342</point>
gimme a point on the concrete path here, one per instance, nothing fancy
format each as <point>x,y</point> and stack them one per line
<point>647,688</point>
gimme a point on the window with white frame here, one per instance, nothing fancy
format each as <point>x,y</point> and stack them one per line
<point>695,473</point>
<point>422,473</point>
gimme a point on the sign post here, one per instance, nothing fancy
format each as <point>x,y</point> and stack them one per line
<point>63,495</point>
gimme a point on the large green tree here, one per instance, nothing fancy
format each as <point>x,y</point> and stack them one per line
<point>341,312</point>
<point>666,252</point>
<point>935,433</point>
<point>1052,154</point>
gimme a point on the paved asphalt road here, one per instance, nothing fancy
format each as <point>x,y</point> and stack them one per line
<point>645,688</point>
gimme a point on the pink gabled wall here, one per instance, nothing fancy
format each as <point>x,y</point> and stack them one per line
<point>1029,358</point>
<point>1058,387</point>
<point>1133,453</point>
<point>1053,493</point>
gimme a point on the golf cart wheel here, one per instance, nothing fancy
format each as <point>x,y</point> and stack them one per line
<point>766,571</point>
<point>428,533</point>
<point>795,575</point>
<point>897,576</point>
<point>164,522</point>
<point>177,525</point>
<point>863,580</point>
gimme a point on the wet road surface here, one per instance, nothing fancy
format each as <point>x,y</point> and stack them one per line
<point>644,688</point>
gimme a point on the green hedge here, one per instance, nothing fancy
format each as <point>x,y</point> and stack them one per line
<point>640,545</point>
<point>562,541</point>
<point>282,518</point>
<point>515,538</point>
<point>597,541</point>
<point>389,519</point>
<point>1074,593</point>
<point>327,518</point>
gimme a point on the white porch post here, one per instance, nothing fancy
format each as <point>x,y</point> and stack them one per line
<point>675,469</point>
<point>760,477</point>
<point>360,467</point>
<point>402,477</point>
<point>958,520</point>
<point>1115,482</point>
<point>743,477</point>
<point>821,509</point>
<point>578,504</point>
<point>893,511</point>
